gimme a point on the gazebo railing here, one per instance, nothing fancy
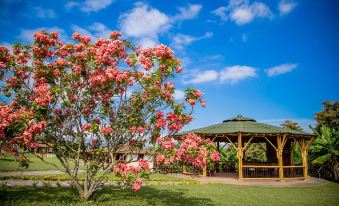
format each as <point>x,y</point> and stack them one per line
<point>260,171</point>
<point>293,171</point>
<point>271,171</point>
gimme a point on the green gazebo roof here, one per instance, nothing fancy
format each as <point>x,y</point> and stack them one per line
<point>241,124</point>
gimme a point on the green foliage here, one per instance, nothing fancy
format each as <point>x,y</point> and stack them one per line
<point>325,150</point>
<point>291,125</point>
<point>228,158</point>
<point>329,116</point>
<point>255,153</point>
<point>296,154</point>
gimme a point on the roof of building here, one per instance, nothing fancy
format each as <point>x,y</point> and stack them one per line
<point>241,124</point>
<point>127,149</point>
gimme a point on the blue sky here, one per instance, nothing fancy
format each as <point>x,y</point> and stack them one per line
<point>269,60</point>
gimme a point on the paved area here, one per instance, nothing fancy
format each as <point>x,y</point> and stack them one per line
<point>233,179</point>
<point>219,179</point>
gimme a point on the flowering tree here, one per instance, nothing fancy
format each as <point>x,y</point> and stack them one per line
<point>88,100</point>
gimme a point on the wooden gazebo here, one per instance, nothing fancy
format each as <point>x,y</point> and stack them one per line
<point>240,132</point>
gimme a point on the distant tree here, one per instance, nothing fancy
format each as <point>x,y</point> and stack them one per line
<point>291,125</point>
<point>329,116</point>
<point>326,149</point>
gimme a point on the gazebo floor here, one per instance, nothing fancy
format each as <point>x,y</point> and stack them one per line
<point>232,178</point>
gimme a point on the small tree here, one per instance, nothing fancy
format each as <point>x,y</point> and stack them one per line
<point>326,149</point>
<point>87,101</point>
<point>329,116</point>
<point>291,125</point>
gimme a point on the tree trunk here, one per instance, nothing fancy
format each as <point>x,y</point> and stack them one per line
<point>336,170</point>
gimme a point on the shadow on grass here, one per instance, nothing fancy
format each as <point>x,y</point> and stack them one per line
<point>8,160</point>
<point>106,196</point>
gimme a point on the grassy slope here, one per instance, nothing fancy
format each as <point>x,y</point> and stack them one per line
<point>8,163</point>
<point>206,194</point>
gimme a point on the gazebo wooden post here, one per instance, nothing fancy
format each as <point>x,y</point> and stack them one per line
<point>204,170</point>
<point>304,157</point>
<point>280,160</point>
<point>240,156</point>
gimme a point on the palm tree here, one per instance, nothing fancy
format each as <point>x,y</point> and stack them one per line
<point>326,147</point>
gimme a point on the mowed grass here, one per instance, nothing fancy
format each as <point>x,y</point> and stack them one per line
<point>9,163</point>
<point>202,194</point>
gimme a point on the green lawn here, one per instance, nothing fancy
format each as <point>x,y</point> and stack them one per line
<point>8,163</point>
<point>202,194</point>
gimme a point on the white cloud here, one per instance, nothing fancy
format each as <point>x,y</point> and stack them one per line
<point>179,94</point>
<point>45,13</point>
<point>27,35</point>
<point>191,12</point>
<point>280,69</point>
<point>196,77</point>
<point>95,31</point>
<point>286,7</point>
<point>144,23</point>
<point>243,12</point>
<point>233,74</point>
<point>180,41</point>
<point>221,12</point>
<point>89,5</point>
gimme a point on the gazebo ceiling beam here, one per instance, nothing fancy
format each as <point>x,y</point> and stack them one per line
<point>248,144</point>
<point>262,147</point>
<point>271,143</point>
<point>284,140</point>
<point>231,142</point>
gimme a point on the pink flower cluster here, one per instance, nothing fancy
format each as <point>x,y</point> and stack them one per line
<point>192,150</point>
<point>159,51</point>
<point>106,130</point>
<point>130,174</point>
<point>8,116</point>
<point>139,130</point>
<point>175,122</point>
<point>42,95</point>
<point>195,95</point>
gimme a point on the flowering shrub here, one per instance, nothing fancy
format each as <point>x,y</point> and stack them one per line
<point>87,99</point>
<point>192,150</point>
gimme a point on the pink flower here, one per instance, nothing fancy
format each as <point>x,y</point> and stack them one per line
<point>94,142</point>
<point>72,97</point>
<point>86,127</point>
<point>160,114</point>
<point>169,85</point>
<point>106,130</point>
<point>160,158</point>
<point>143,164</point>
<point>137,184</point>
<point>134,170</point>
<point>160,123</point>
<point>191,101</point>
<point>178,70</point>
<point>115,35</point>
<point>197,93</point>
<point>76,35</point>
<point>141,129</point>
<point>203,103</point>
<point>215,156</point>
<point>132,129</point>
